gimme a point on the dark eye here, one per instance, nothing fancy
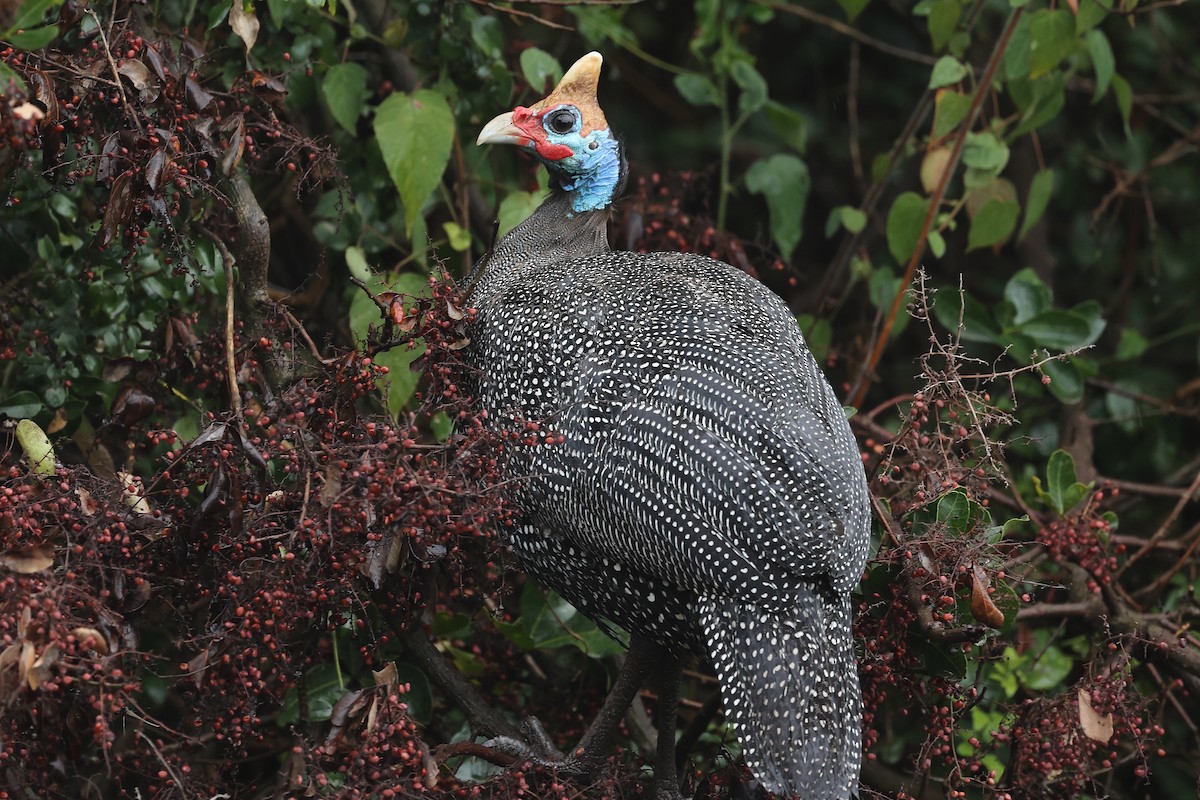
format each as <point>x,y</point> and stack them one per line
<point>561,121</point>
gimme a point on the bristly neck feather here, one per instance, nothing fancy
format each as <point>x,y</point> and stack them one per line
<point>592,180</point>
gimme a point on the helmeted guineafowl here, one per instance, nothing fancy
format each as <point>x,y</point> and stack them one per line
<point>703,489</point>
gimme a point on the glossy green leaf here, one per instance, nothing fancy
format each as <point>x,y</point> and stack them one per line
<point>1058,330</point>
<point>904,225</point>
<point>541,70</point>
<point>1066,383</point>
<point>20,405</point>
<point>345,91</point>
<point>1040,191</point>
<point>784,180</point>
<point>1028,295</point>
<point>415,133</point>
<point>946,72</point>
<point>1103,61</point>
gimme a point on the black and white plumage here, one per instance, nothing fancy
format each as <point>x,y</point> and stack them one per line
<point>707,492</point>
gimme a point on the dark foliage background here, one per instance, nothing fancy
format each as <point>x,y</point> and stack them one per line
<point>248,523</point>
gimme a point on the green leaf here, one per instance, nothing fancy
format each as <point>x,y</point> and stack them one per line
<point>960,514</point>
<point>904,225</point>
<point>458,236</point>
<point>419,697</point>
<point>1103,62</point>
<point>1052,38</point>
<point>1028,295</point>
<point>441,425</point>
<point>1131,345</point>
<point>1091,13</point>
<point>8,79</point>
<point>488,36</point>
<point>1040,190</point>
<point>324,687</point>
<point>753,86</point>
<point>1124,94</point>
<point>20,405</point>
<point>31,13</point>
<point>947,71</point>
<point>697,89</point>
<point>943,19</point>
<point>1039,101</point>
<point>414,134</point>
<point>345,92</point>
<point>977,324</point>
<point>37,448</point>
<point>848,217</point>
<point>1048,670</point>
<point>937,244</point>
<point>993,224</point>
<point>541,70</point>
<point>1018,56</point>
<point>853,8</point>
<point>1057,329</point>
<point>33,38</point>
<point>789,125</point>
<point>516,208</point>
<point>784,180</point>
<point>950,109</point>
<point>985,151</point>
<point>1066,383</point>
<point>400,382</point>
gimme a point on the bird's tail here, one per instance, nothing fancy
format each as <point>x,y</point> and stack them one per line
<point>790,689</point>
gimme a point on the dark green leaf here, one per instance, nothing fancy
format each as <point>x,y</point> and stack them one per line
<point>1060,475</point>
<point>904,222</point>
<point>853,7</point>
<point>418,697</point>
<point>993,224</point>
<point>1059,330</point>
<point>943,19</point>
<point>345,92</point>
<point>488,36</point>
<point>1040,190</point>
<point>1052,38</point>
<point>1091,13</point>
<point>784,180</point>
<point>950,109</point>
<point>789,125</point>
<point>541,70</point>
<point>1066,383</point>
<point>1124,94</point>
<point>977,324</point>
<point>414,134</point>
<point>1028,295</point>
<point>947,71</point>
<point>1103,61</point>
<point>697,89</point>
<point>1048,670</point>
<point>753,87</point>
<point>848,217</point>
<point>1017,56</point>
<point>21,405</point>
<point>33,38</point>
<point>31,13</point>
<point>324,687</point>
<point>1039,101</point>
<point>1131,345</point>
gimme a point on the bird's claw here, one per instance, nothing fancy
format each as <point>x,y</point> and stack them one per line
<point>536,748</point>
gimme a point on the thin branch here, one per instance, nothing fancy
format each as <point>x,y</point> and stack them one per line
<point>935,201</point>
<point>1165,527</point>
<point>853,33</point>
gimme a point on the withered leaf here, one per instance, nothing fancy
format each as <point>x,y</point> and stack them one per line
<point>197,97</point>
<point>117,210</point>
<point>135,72</point>
<point>28,560</point>
<point>1095,726</point>
<point>983,608</point>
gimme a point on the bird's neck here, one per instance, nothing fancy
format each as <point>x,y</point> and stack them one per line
<point>593,181</point>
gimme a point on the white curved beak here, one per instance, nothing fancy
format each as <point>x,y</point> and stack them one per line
<point>501,130</point>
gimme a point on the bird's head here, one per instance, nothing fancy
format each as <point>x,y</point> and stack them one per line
<point>568,133</point>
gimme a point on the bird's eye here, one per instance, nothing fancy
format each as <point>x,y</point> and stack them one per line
<point>561,121</point>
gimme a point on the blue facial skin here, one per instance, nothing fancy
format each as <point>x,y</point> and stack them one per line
<point>591,173</point>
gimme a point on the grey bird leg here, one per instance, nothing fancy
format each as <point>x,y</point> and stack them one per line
<point>586,757</point>
<point>666,778</point>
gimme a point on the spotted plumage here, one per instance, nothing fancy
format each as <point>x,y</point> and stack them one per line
<point>706,492</point>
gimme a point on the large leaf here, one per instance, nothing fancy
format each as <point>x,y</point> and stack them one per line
<point>415,132</point>
<point>1040,190</point>
<point>1052,38</point>
<point>904,225</point>
<point>541,70</point>
<point>993,224</point>
<point>784,180</point>
<point>345,92</point>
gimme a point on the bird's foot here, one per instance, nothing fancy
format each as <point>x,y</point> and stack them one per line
<point>536,748</point>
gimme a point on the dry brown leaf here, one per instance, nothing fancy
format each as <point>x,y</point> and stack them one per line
<point>91,638</point>
<point>244,24</point>
<point>10,668</point>
<point>982,607</point>
<point>87,504</point>
<point>27,560</point>
<point>133,493</point>
<point>1095,726</point>
<point>39,671</point>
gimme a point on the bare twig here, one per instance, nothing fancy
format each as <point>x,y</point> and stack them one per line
<point>853,33</point>
<point>935,201</point>
<point>1165,527</point>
